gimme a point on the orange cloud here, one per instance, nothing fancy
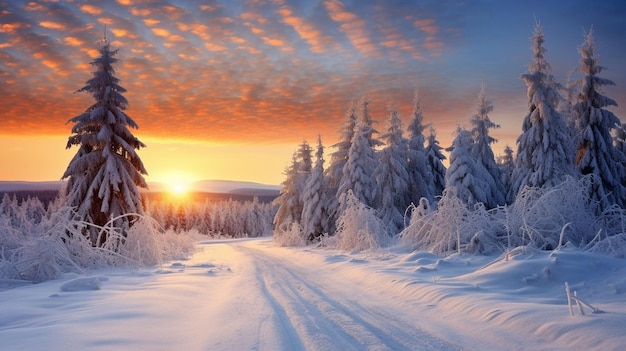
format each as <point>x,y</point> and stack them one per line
<point>161,32</point>
<point>52,25</point>
<point>33,6</point>
<point>151,22</point>
<point>427,26</point>
<point>273,41</point>
<point>305,30</point>
<point>73,41</point>
<point>353,27</point>
<point>140,12</point>
<point>119,32</point>
<point>91,9</point>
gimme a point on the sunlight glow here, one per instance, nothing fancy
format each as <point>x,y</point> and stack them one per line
<point>178,188</point>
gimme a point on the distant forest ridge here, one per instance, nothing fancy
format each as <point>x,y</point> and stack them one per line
<point>211,190</point>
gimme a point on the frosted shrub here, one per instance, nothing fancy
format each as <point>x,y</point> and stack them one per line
<point>64,248</point>
<point>450,228</point>
<point>539,215</point>
<point>544,218</point>
<point>289,234</point>
<point>358,227</point>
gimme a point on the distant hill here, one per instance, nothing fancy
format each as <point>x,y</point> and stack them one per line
<point>200,190</point>
<point>209,186</point>
<point>16,186</point>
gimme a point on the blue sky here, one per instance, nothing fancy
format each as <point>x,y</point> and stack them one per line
<point>276,72</point>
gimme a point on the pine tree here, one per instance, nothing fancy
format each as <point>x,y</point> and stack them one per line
<point>596,154</point>
<point>104,175</point>
<point>358,173</point>
<point>290,202</point>
<point>435,162</point>
<point>481,150</point>
<point>392,176</point>
<point>314,214</point>
<point>366,118</point>
<point>566,107</point>
<point>338,160</point>
<point>544,153</point>
<point>506,163</point>
<point>467,176</point>
<point>421,183</point>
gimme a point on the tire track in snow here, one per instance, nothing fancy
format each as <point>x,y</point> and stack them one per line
<point>319,315</point>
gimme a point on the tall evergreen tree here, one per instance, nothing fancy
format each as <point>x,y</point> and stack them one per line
<point>315,211</point>
<point>566,107</point>
<point>290,202</point>
<point>421,183</point>
<point>435,162</point>
<point>358,173</point>
<point>506,163</point>
<point>366,118</point>
<point>544,153</point>
<point>392,175</point>
<point>104,175</point>
<point>466,176</point>
<point>338,160</point>
<point>481,149</point>
<point>596,154</point>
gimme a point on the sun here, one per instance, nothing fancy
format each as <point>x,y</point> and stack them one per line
<point>178,188</point>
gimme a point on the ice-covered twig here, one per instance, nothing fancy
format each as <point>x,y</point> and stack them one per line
<point>569,299</point>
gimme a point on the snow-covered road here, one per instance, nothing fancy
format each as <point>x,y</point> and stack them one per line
<point>252,295</point>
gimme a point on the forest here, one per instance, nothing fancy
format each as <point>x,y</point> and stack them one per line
<point>565,185</point>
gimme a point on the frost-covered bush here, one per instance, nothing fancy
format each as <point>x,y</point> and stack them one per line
<point>452,227</point>
<point>289,234</point>
<point>543,218</point>
<point>358,228</point>
<point>63,247</point>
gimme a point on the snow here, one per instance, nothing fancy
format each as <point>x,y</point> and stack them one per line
<point>253,295</point>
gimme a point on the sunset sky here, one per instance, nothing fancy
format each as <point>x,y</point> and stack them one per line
<point>228,89</point>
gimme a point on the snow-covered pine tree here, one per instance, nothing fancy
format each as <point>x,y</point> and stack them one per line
<point>596,154</point>
<point>435,159</point>
<point>481,150</point>
<point>104,175</point>
<point>366,118</point>
<point>392,175</point>
<point>358,173</point>
<point>566,107</point>
<point>315,212</point>
<point>290,201</point>
<point>421,183</point>
<point>544,149</point>
<point>338,159</point>
<point>467,176</point>
<point>506,163</point>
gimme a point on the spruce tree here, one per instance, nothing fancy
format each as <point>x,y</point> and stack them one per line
<point>392,176</point>
<point>421,183</point>
<point>507,164</point>
<point>290,202</point>
<point>338,160</point>
<point>358,173</point>
<point>596,154</point>
<point>435,162</point>
<point>481,150</point>
<point>544,149</point>
<point>104,175</point>
<point>315,211</point>
<point>466,176</point>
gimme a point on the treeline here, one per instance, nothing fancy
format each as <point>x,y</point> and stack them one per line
<point>224,218</point>
<point>395,182</point>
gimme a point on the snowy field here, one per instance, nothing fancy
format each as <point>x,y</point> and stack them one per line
<point>253,295</point>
